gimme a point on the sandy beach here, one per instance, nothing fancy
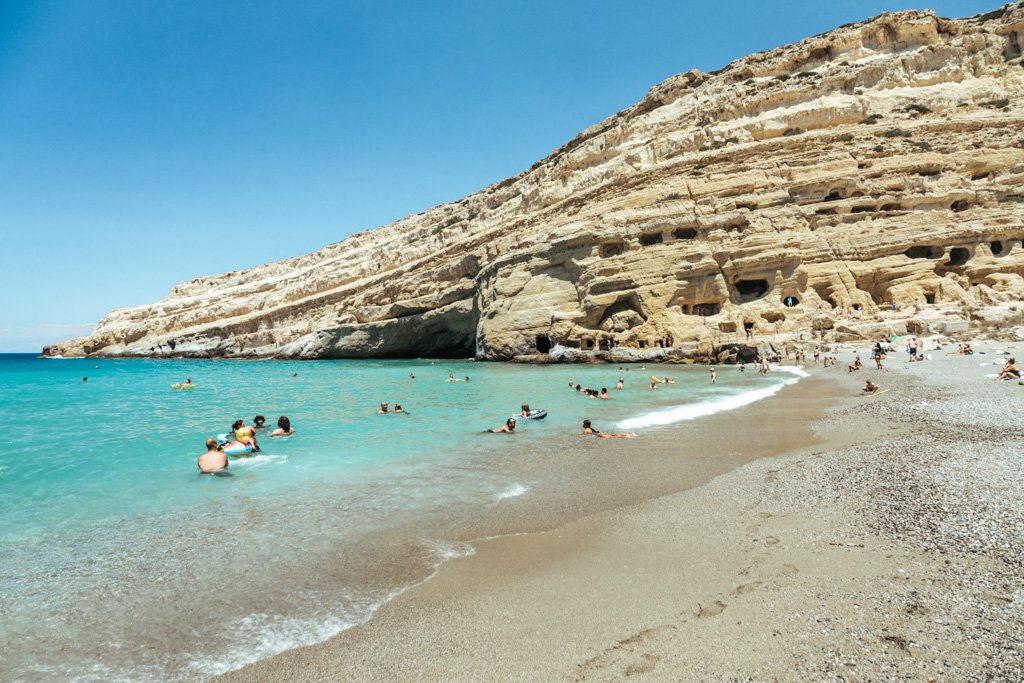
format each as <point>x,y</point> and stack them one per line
<point>841,537</point>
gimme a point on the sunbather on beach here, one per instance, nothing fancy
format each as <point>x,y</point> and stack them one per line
<point>855,365</point>
<point>1010,371</point>
<point>588,429</point>
<point>869,387</point>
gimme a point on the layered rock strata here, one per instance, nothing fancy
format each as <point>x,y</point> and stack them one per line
<point>799,194</point>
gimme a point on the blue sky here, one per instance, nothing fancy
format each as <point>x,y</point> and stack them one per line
<point>148,142</point>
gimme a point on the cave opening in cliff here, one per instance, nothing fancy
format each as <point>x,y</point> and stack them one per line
<point>997,247</point>
<point>834,196</point>
<point>751,290</point>
<point>958,256</point>
<point>706,309</point>
<point>923,251</point>
<point>543,343</point>
<point>651,238</point>
<point>929,298</point>
<point>684,233</point>
<point>959,205</point>
<point>611,249</point>
<point>790,301</point>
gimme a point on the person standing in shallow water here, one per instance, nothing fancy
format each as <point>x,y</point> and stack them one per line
<point>714,376</point>
<point>213,460</point>
<point>284,427</point>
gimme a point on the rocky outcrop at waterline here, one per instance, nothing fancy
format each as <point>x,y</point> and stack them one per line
<point>798,193</point>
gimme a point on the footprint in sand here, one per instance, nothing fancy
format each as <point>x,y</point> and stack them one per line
<point>712,610</point>
<point>745,588</point>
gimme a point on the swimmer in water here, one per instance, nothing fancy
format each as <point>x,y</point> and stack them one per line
<point>383,408</point>
<point>245,434</point>
<point>524,410</point>
<point>589,430</point>
<point>507,428</point>
<point>258,421</point>
<point>284,427</point>
<point>398,408</point>
<point>604,394</point>
<point>714,376</point>
<point>412,376</point>
<point>213,460</point>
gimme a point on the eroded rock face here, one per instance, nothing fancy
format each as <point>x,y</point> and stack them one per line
<point>797,193</point>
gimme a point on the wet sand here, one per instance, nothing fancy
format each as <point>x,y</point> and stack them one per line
<point>801,548</point>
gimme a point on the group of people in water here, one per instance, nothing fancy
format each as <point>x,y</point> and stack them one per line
<point>215,459</point>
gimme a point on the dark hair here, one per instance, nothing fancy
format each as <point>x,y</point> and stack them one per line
<point>259,419</point>
<point>586,423</point>
<point>237,424</point>
<point>284,423</point>
<point>604,390</point>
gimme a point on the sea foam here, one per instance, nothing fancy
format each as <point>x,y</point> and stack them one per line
<point>692,411</point>
<point>513,491</point>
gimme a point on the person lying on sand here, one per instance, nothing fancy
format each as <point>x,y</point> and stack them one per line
<point>587,429</point>
<point>1010,371</point>
<point>213,460</point>
<point>869,387</point>
<point>284,427</point>
<point>507,428</point>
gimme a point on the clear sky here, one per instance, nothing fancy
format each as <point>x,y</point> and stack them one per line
<point>146,142</point>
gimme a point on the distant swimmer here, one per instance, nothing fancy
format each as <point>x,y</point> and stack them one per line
<point>284,427</point>
<point>743,367</point>
<point>383,408</point>
<point>618,385</point>
<point>588,429</point>
<point>507,428</point>
<point>714,376</point>
<point>85,379</point>
<point>399,409</point>
<point>604,394</point>
<point>213,460</point>
<point>412,376</point>
<point>524,410</point>
<point>258,421</point>
<point>654,385</point>
<point>295,374</point>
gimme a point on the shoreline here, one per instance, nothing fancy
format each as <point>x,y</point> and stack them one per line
<point>772,432</point>
<point>823,561</point>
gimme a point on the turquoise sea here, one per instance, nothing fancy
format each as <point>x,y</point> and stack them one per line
<point>120,562</point>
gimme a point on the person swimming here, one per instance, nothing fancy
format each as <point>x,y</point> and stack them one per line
<point>591,430</point>
<point>213,460</point>
<point>524,410</point>
<point>383,408</point>
<point>284,427</point>
<point>604,394</point>
<point>619,384</point>
<point>398,409</point>
<point>245,434</point>
<point>507,428</point>
<point>258,421</point>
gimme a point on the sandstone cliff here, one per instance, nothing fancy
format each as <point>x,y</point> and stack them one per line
<point>798,193</point>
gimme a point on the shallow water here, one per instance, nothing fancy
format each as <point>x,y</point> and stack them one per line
<point>120,561</point>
